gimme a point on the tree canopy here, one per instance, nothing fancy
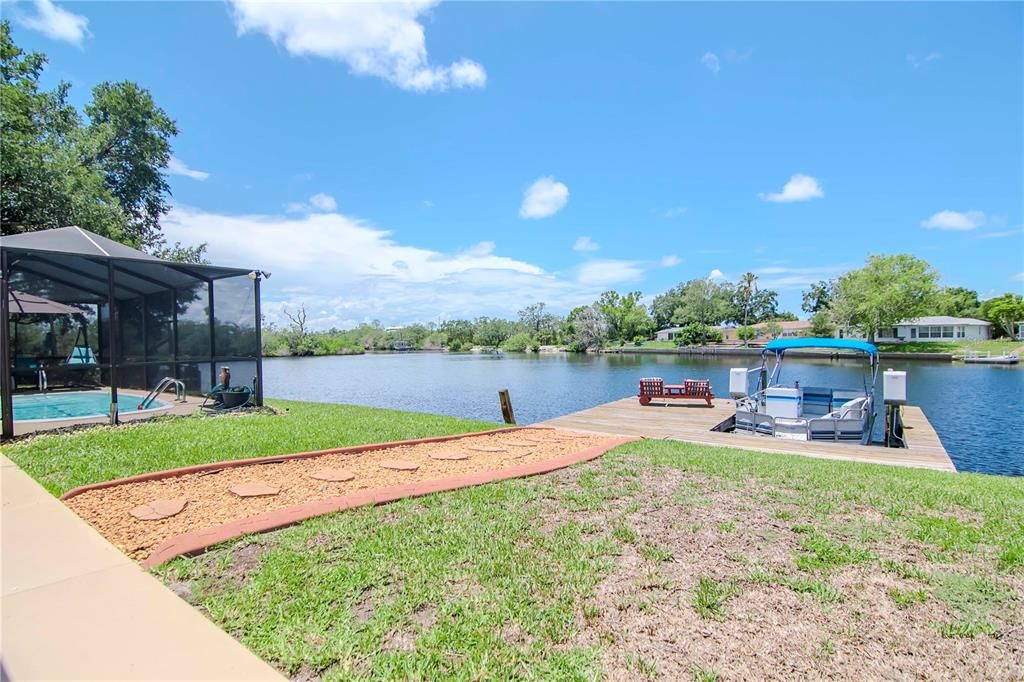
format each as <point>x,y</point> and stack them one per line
<point>887,290</point>
<point>1005,312</point>
<point>957,302</point>
<point>100,169</point>
<point>818,297</point>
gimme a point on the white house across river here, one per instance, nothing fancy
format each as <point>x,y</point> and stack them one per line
<point>934,328</point>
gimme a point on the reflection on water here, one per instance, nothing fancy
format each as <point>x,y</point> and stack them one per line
<point>978,411</point>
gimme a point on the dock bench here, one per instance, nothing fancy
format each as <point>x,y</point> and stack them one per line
<point>653,388</point>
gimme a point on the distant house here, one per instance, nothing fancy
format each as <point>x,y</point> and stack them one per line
<point>668,333</point>
<point>789,330</point>
<point>931,328</point>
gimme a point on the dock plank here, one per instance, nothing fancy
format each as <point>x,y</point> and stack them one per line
<point>692,422</point>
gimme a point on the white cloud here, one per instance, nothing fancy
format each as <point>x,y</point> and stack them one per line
<point>711,63</point>
<point>607,272</point>
<point>792,279</point>
<point>734,55</point>
<point>544,198</point>
<point>799,188</point>
<point>716,274</point>
<point>468,74</point>
<point>427,203</point>
<point>920,61</point>
<point>955,220</point>
<point>356,271</point>
<point>1019,277</point>
<point>585,244</point>
<point>318,202</point>
<point>669,261</point>
<point>323,202</point>
<point>176,166</point>
<point>676,211</point>
<point>56,23</point>
<point>386,40</point>
<point>1001,234</point>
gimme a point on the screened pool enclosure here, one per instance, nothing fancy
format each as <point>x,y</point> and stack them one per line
<point>84,313</point>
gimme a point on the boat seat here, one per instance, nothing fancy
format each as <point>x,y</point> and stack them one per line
<point>844,395</point>
<point>816,401</point>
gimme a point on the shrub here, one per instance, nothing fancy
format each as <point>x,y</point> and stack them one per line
<point>746,334</point>
<point>517,343</point>
<point>696,333</point>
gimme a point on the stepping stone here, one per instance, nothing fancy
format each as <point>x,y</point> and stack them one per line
<point>333,475</point>
<point>399,465</point>
<point>158,509</point>
<point>255,489</point>
<point>485,448</point>
<point>448,456</point>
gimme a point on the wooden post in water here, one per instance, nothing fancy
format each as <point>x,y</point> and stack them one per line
<point>506,406</point>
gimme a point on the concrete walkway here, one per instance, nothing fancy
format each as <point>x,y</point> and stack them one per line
<point>74,608</point>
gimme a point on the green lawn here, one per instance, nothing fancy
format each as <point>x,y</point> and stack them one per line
<point>62,462</point>
<point>588,572</point>
<point>996,346</point>
<point>580,574</point>
<point>659,344</point>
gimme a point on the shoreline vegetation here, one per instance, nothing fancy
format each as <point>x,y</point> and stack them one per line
<point>584,572</point>
<point>860,303</point>
<point>937,351</point>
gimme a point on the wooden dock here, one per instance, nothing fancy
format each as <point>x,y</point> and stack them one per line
<point>692,421</point>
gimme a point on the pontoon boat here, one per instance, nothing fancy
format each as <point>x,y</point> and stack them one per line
<point>806,412</point>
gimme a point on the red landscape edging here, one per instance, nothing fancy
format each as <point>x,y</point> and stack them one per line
<point>231,463</point>
<point>196,541</point>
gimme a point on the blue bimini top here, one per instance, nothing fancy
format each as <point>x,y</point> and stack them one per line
<point>779,346</point>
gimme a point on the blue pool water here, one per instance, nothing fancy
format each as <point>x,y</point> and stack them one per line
<point>59,405</point>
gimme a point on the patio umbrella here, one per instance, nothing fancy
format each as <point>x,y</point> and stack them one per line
<point>21,302</point>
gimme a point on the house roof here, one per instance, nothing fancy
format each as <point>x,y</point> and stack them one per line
<point>76,241</point>
<point>70,265</point>
<point>946,319</point>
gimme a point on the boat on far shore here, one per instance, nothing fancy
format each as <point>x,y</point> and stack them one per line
<point>975,357</point>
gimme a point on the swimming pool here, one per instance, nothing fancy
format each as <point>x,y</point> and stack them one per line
<point>75,405</point>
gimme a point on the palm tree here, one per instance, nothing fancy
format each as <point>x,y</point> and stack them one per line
<point>746,288</point>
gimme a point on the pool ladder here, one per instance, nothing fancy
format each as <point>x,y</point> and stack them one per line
<point>163,385</point>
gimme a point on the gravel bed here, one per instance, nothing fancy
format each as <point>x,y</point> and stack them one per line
<point>210,502</point>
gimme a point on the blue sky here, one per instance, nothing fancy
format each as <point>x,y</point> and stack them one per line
<point>423,161</point>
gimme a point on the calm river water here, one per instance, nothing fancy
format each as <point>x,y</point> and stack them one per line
<point>978,411</point>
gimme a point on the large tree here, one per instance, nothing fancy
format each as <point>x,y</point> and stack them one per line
<point>627,318</point>
<point>1005,312</point>
<point>531,317</point>
<point>102,172</point>
<point>704,301</point>
<point>589,328</point>
<point>957,302</point>
<point>818,297</point>
<point>887,290</point>
<point>743,298</point>
<point>751,304</point>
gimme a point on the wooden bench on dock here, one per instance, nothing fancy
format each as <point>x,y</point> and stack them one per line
<point>692,389</point>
